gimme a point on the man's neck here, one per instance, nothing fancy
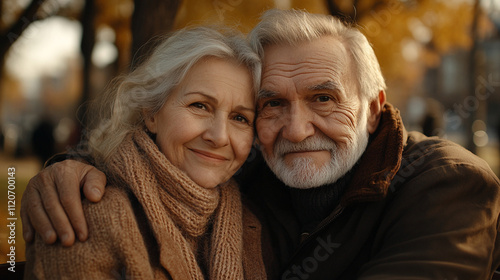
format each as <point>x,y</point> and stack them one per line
<point>315,204</point>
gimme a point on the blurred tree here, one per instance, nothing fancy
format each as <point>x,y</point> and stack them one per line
<point>353,10</point>
<point>408,36</point>
<point>472,75</point>
<point>16,17</point>
<point>116,14</point>
<point>87,46</point>
<point>150,19</point>
<point>404,33</point>
<point>10,33</point>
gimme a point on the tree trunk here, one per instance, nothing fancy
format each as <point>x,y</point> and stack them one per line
<point>14,32</point>
<point>151,18</point>
<point>469,133</point>
<point>87,46</point>
<point>335,10</point>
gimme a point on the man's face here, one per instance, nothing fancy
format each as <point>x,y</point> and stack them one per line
<point>311,121</point>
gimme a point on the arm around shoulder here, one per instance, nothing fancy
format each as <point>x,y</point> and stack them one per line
<point>51,203</point>
<point>101,257</point>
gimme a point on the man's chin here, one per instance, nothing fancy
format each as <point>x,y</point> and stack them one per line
<point>318,159</point>
<point>304,174</point>
<point>307,182</point>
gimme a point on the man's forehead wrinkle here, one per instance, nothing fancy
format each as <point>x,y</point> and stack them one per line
<point>318,59</point>
<point>294,69</point>
<point>333,59</point>
<point>328,85</point>
<point>317,69</point>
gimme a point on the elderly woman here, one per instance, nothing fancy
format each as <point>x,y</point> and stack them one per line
<point>176,130</point>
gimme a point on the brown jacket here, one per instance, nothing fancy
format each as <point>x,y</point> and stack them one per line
<point>416,208</point>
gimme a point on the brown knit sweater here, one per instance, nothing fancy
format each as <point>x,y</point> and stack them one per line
<point>155,223</point>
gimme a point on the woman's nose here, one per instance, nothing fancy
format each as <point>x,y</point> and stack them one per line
<point>217,132</point>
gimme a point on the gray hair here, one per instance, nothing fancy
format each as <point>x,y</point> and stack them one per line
<point>143,92</point>
<point>292,27</point>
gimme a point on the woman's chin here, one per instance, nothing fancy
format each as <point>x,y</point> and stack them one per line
<point>210,184</point>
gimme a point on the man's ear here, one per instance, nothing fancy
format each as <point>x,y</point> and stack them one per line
<point>150,121</point>
<point>375,111</point>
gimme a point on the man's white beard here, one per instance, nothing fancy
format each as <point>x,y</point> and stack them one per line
<point>302,173</point>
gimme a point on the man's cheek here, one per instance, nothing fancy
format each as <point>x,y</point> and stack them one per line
<point>267,132</point>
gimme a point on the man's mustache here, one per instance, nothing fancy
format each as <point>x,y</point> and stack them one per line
<point>314,143</point>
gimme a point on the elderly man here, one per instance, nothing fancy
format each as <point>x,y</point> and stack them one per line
<point>347,192</point>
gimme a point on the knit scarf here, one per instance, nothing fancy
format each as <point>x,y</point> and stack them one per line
<point>184,216</point>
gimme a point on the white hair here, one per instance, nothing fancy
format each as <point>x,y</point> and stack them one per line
<point>292,27</point>
<point>143,92</point>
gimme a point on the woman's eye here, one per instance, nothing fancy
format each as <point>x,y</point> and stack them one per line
<point>242,119</point>
<point>199,106</point>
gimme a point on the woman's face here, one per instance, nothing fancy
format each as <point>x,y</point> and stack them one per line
<point>205,127</point>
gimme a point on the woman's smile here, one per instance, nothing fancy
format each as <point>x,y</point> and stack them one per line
<point>208,155</point>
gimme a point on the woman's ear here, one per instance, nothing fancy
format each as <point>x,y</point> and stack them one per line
<point>375,111</point>
<point>151,122</point>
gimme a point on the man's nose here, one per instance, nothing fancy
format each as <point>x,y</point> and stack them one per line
<point>298,125</point>
<point>217,132</point>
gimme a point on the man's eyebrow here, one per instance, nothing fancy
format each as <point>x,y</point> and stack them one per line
<point>264,93</point>
<point>328,85</point>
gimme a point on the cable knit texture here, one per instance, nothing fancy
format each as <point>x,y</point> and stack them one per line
<point>154,222</point>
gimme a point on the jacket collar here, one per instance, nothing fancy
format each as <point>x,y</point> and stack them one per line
<point>380,162</point>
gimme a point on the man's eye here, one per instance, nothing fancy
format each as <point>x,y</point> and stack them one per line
<point>272,103</point>
<point>323,98</point>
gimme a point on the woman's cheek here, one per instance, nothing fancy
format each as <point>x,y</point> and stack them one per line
<point>244,145</point>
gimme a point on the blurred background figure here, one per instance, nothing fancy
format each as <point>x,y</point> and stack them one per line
<point>432,122</point>
<point>42,140</point>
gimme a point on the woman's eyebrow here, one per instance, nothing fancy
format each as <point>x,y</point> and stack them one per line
<point>213,99</point>
<point>198,92</point>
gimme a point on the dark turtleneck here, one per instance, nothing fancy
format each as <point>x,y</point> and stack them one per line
<point>315,204</point>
